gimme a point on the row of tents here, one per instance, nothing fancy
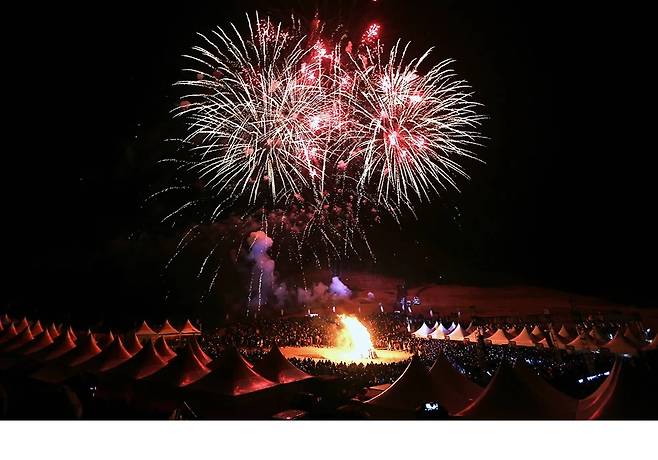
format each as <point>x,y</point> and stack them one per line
<point>138,363</point>
<point>626,341</point>
<point>515,393</point>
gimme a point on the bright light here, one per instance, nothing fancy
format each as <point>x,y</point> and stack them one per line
<point>354,338</point>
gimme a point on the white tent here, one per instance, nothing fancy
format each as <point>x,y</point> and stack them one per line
<point>457,334</point>
<point>422,332</point>
<point>440,332</point>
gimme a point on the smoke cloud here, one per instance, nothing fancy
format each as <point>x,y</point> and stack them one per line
<point>262,273</point>
<point>338,288</point>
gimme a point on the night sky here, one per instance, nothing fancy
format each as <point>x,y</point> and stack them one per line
<point>565,199</point>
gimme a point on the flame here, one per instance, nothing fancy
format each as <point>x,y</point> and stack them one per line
<point>354,338</point>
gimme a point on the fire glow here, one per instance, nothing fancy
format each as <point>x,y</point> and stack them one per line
<point>354,339</point>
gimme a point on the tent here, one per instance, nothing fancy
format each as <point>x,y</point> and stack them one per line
<point>276,368</point>
<point>422,332</point>
<point>199,353</point>
<point>598,337</point>
<point>410,391</point>
<point>231,376</point>
<point>457,333</point>
<point>53,331</point>
<point>62,344</point>
<point>104,340</point>
<point>453,390</point>
<point>471,327</point>
<point>167,329</point>
<point>39,343</point>
<point>473,336</point>
<point>620,345</point>
<point>184,369</point>
<point>5,320</point>
<point>144,363</point>
<point>36,328</point>
<point>517,393</point>
<point>22,325</point>
<point>627,393</point>
<point>440,332</point>
<point>499,337</point>
<point>566,335</point>
<point>21,339</point>
<point>144,329</point>
<point>163,349</point>
<point>633,338</point>
<point>8,334</point>
<point>524,339</point>
<point>583,342</point>
<point>537,333</point>
<point>57,369</point>
<point>452,327</point>
<point>113,355</point>
<point>189,329</point>
<point>132,344</point>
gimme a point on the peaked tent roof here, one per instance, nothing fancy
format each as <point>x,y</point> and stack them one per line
<point>104,340</point>
<point>499,337</point>
<point>620,345</point>
<point>199,353</point>
<point>583,342</point>
<point>22,325</point>
<point>167,329</point>
<point>113,355</point>
<point>276,368</point>
<point>21,339</point>
<point>188,329</point>
<point>58,369</point>
<point>519,394</point>
<point>457,333</point>
<point>626,394</point>
<point>453,390</point>
<point>144,329</point>
<point>5,319</point>
<point>598,336</point>
<point>439,332</point>
<point>144,363</point>
<point>565,334</point>
<point>537,333</point>
<point>471,327</point>
<point>412,389</point>
<point>37,328</point>
<point>163,349</point>
<point>473,336</point>
<point>53,331</point>
<point>423,331</point>
<point>181,371</point>
<point>8,334</point>
<point>232,376</point>
<point>39,343</point>
<point>62,344</point>
<point>524,339</point>
<point>132,343</point>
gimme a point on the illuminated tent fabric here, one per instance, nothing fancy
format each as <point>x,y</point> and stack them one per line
<point>512,332</point>
<point>583,342</point>
<point>433,328</point>
<point>181,371</point>
<point>2,327</point>
<point>57,370</point>
<point>422,332</point>
<point>8,334</point>
<point>544,343</point>
<point>104,340</point>
<point>22,325</point>
<point>411,390</point>
<point>276,368</point>
<point>163,349</point>
<point>132,344</point>
<point>72,333</point>
<point>499,337</point>
<point>473,336</point>
<point>517,393</point>
<point>626,394</point>
<point>5,320</point>
<point>36,328</point>
<point>21,339</point>
<point>199,353</point>
<point>457,333</point>
<point>598,337</point>
<point>144,329</point>
<point>440,332</point>
<point>189,329</point>
<point>453,390</point>
<point>231,376</point>
<point>565,334</point>
<point>62,344</point>
<point>452,327</point>
<point>167,329</point>
<point>53,331</point>
<point>537,333</point>
<point>620,345</point>
<point>39,343</point>
<point>144,363</point>
<point>524,339</point>
<point>471,328</point>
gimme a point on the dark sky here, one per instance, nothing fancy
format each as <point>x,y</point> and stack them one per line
<point>565,199</point>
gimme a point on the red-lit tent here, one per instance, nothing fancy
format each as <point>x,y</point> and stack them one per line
<point>21,339</point>
<point>583,342</point>
<point>519,394</point>
<point>163,349</point>
<point>56,370</point>
<point>37,328</point>
<point>5,320</point>
<point>104,340</point>
<point>276,368</point>
<point>132,343</point>
<point>200,354</point>
<point>524,339</point>
<point>620,345</point>
<point>53,331</point>
<point>473,336</point>
<point>111,356</point>
<point>499,337</point>
<point>39,343</point>
<point>22,325</point>
<point>231,375</point>
<point>181,371</point>
<point>537,333</point>
<point>144,329</point>
<point>409,392</point>
<point>628,393</point>
<point>453,390</point>
<point>189,329</point>
<point>8,334</point>
<point>598,336</point>
<point>145,362</point>
<point>62,344</point>
<point>168,329</point>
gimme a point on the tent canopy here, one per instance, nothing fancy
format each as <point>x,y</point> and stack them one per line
<point>276,368</point>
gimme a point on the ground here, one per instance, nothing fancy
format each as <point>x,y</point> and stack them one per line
<point>338,355</point>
